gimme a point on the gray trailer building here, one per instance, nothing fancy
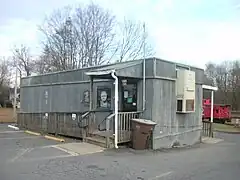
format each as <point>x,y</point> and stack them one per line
<point>82,102</point>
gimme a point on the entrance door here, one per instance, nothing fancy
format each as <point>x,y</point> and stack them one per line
<point>129,97</point>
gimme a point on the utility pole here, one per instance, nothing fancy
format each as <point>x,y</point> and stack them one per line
<point>15,94</point>
<point>144,66</point>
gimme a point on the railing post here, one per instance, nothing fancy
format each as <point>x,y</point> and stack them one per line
<point>107,124</point>
<point>56,123</point>
<point>211,126</point>
<point>91,94</point>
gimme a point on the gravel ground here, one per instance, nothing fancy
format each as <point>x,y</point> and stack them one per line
<point>24,157</point>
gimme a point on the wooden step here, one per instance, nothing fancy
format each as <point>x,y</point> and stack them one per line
<point>100,138</point>
<point>96,141</point>
<point>103,133</point>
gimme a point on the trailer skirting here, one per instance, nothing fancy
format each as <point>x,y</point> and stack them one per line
<point>53,123</point>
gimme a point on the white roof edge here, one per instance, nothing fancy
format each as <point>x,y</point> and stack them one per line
<point>98,73</point>
<point>210,87</point>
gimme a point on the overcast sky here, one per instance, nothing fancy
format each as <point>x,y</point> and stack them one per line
<point>187,31</point>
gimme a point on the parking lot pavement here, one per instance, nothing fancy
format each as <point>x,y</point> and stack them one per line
<point>17,144</point>
<point>24,157</point>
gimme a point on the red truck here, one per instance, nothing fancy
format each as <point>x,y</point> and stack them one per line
<point>221,112</point>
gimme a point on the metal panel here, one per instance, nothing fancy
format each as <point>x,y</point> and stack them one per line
<point>147,114</point>
<point>199,75</point>
<point>60,98</point>
<point>165,69</point>
<point>133,69</point>
<point>163,108</point>
<point>149,67</point>
<point>171,128</point>
<point>168,69</point>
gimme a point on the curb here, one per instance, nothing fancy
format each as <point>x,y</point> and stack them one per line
<point>32,133</point>
<point>54,138</point>
<point>13,127</point>
<point>227,132</point>
<point>210,140</point>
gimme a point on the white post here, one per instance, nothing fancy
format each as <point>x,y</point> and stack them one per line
<point>116,110</point>
<point>212,106</point>
<point>211,124</point>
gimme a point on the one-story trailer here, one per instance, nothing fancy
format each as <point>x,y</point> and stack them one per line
<point>81,102</point>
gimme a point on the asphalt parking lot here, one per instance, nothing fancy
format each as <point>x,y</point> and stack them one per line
<point>24,156</point>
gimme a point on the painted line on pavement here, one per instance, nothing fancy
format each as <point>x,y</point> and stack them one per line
<point>66,150</point>
<point>17,138</point>
<point>161,176</point>
<point>20,154</point>
<point>8,132</point>
<point>45,158</point>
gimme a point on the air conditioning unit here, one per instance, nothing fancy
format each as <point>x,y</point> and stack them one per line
<point>185,91</point>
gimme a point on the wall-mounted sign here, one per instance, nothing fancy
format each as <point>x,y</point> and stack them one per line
<point>124,82</point>
<point>125,94</point>
<point>74,116</point>
<point>129,100</point>
<point>46,96</point>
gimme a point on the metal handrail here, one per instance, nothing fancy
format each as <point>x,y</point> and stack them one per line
<point>83,117</point>
<point>108,117</point>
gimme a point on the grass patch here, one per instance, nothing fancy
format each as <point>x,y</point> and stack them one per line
<point>225,127</point>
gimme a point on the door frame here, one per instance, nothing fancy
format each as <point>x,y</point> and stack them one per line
<point>129,82</point>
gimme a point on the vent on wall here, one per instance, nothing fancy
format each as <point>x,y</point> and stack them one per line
<point>185,91</point>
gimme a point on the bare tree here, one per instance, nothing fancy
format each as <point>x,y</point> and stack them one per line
<point>88,36</point>
<point>5,77</point>
<point>131,42</point>
<point>5,74</point>
<point>60,44</point>
<point>78,38</point>
<point>227,77</point>
<point>95,28</point>
<point>23,60</point>
<point>43,64</point>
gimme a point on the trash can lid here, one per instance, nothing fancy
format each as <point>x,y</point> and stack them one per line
<point>144,121</point>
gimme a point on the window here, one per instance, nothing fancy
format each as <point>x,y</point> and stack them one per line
<point>179,105</point>
<point>190,105</point>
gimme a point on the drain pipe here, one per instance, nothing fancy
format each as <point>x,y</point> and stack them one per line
<point>115,110</point>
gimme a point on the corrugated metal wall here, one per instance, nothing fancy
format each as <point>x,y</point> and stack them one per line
<point>58,98</point>
<point>172,126</point>
<point>161,99</point>
<point>63,91</point>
